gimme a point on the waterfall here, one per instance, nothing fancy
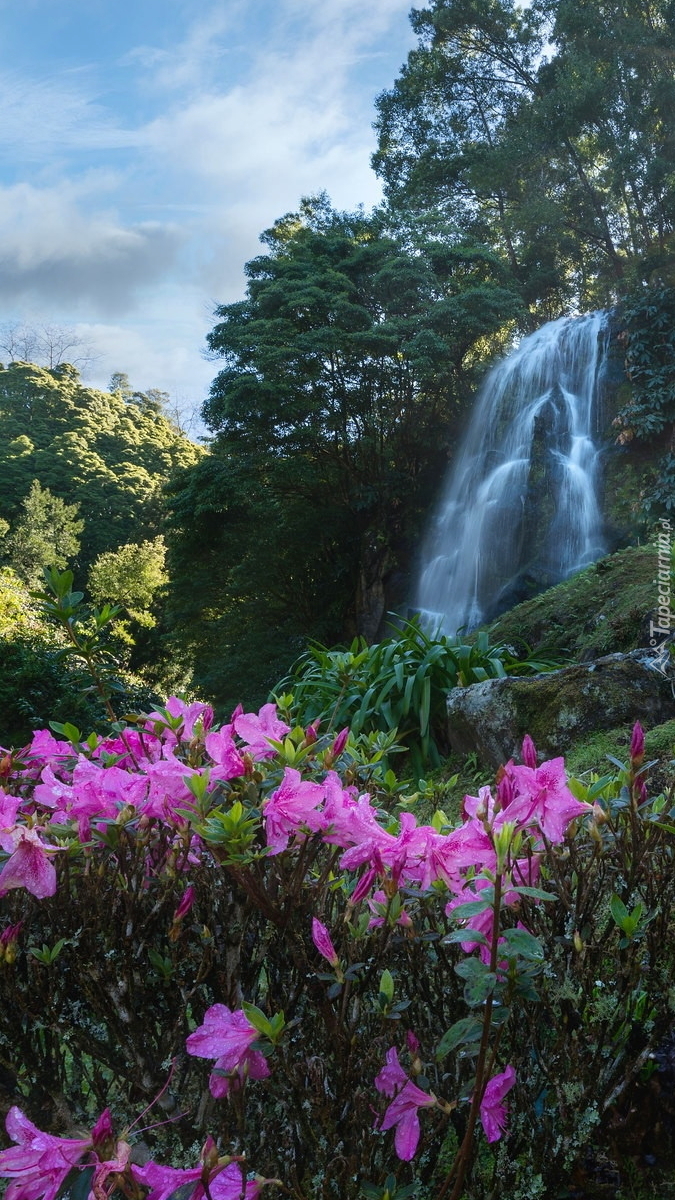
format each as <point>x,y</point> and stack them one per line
<point>520,510</point>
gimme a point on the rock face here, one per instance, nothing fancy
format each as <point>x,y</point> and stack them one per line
<point>557,708</point>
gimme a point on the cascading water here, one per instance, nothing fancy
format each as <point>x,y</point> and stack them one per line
<point>520,511</point>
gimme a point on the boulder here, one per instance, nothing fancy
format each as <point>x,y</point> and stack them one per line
<point>559,707</point>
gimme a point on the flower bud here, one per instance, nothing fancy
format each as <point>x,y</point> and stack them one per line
<point>529,752</point>
<point>637,745</point>
<point>578,944</point>
<point>311,732</point>
<point>103,1136</point>
<point>323,943</point>
<point>340,743</point>
<point>599,814</point>
<point>505,792</point>
<point>209,1155</point>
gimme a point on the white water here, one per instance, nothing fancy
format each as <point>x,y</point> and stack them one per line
<point>521,499</point>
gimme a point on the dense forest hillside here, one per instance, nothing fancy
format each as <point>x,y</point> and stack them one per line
<point>98,450</point>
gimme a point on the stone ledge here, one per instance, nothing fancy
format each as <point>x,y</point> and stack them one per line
<point>556,708</point>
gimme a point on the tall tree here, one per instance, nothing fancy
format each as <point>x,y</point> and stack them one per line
<point>332,418</point>
<point>546,131</point>
<point>46,534</point>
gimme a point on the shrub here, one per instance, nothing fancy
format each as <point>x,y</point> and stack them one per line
<point>345,967</point>
<point>399,685</point>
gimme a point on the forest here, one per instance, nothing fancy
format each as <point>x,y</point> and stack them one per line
<point>303,885</point>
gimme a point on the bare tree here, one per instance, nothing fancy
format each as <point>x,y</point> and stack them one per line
<point>47,345</point>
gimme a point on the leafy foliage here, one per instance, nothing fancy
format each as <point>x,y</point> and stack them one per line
<point>398,685</point>
<point>542,131</point>
<point>46,534</point>
<point>43,676</point>
<point>88,448</point>
<point>345,375</point>
<point>131,576</point>
<point>648,335</point>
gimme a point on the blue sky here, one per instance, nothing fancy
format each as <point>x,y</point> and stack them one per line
<point>145,144</point>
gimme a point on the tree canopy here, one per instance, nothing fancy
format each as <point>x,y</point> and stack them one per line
<point>345,375</point>
<point>89,448</point>
<point>546,133</point>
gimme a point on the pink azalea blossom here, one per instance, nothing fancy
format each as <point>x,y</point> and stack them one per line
<point>404,1108</point>
<point>39,1162</point>
<point>543,800</point>
<point>480,923</point>
<point>9,806</point>
<point>227,1037</point>
<point>223,750</point>
<point>28,865</point>
<point>451,854</point>
<point>190,713</point>
<point>227,1184</point>
<point>323,943</point>
<point>493,1112</point>
<point>256,731</point>
<point>392,1077</point>
<point>290,807</point>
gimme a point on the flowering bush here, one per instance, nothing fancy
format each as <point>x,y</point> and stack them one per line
<point>251,895</point>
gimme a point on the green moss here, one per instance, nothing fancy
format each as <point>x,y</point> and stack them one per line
<point>591,753</point>
<point>604,609</point>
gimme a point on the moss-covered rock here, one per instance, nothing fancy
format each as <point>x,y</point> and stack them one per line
<point>604,609</point>
<point>558,709</point>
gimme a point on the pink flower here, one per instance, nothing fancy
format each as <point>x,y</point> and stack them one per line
<point>227,1037</point>
<point>227,1184</point>
<point>323,943</point>
<point>493,1111</point>
<point>28,866</point>
<point>39,1162</point>
<point>392,1077</point>
<point>291,806</point>
<point>223,750</point>
<point>529,752</point>
<point>190,713</point>
<point>404,1108</point>
<point>543,799</point>
<point>256,731</point>
<point>637,745</point>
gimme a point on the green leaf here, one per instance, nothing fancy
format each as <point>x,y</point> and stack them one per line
<point>523,943</point>
<point>258,1019</point>
<point>619,911</point>
<point>466,935</point>
<point>77,1184</point>
<point>471,968</point>
<point>536,893</point>
<point>477,989</point>
<point>387,985</point>
<point>473,908</point>
<point>467,1029</point>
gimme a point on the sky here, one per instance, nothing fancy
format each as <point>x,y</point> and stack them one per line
<point>146,144</point>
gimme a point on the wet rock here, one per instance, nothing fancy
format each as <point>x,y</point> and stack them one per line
<point>559,707</point>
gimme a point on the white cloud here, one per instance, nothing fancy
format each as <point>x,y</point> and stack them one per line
<point>43,117</point>
<point>212,137</point>
<point>53,250</point>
